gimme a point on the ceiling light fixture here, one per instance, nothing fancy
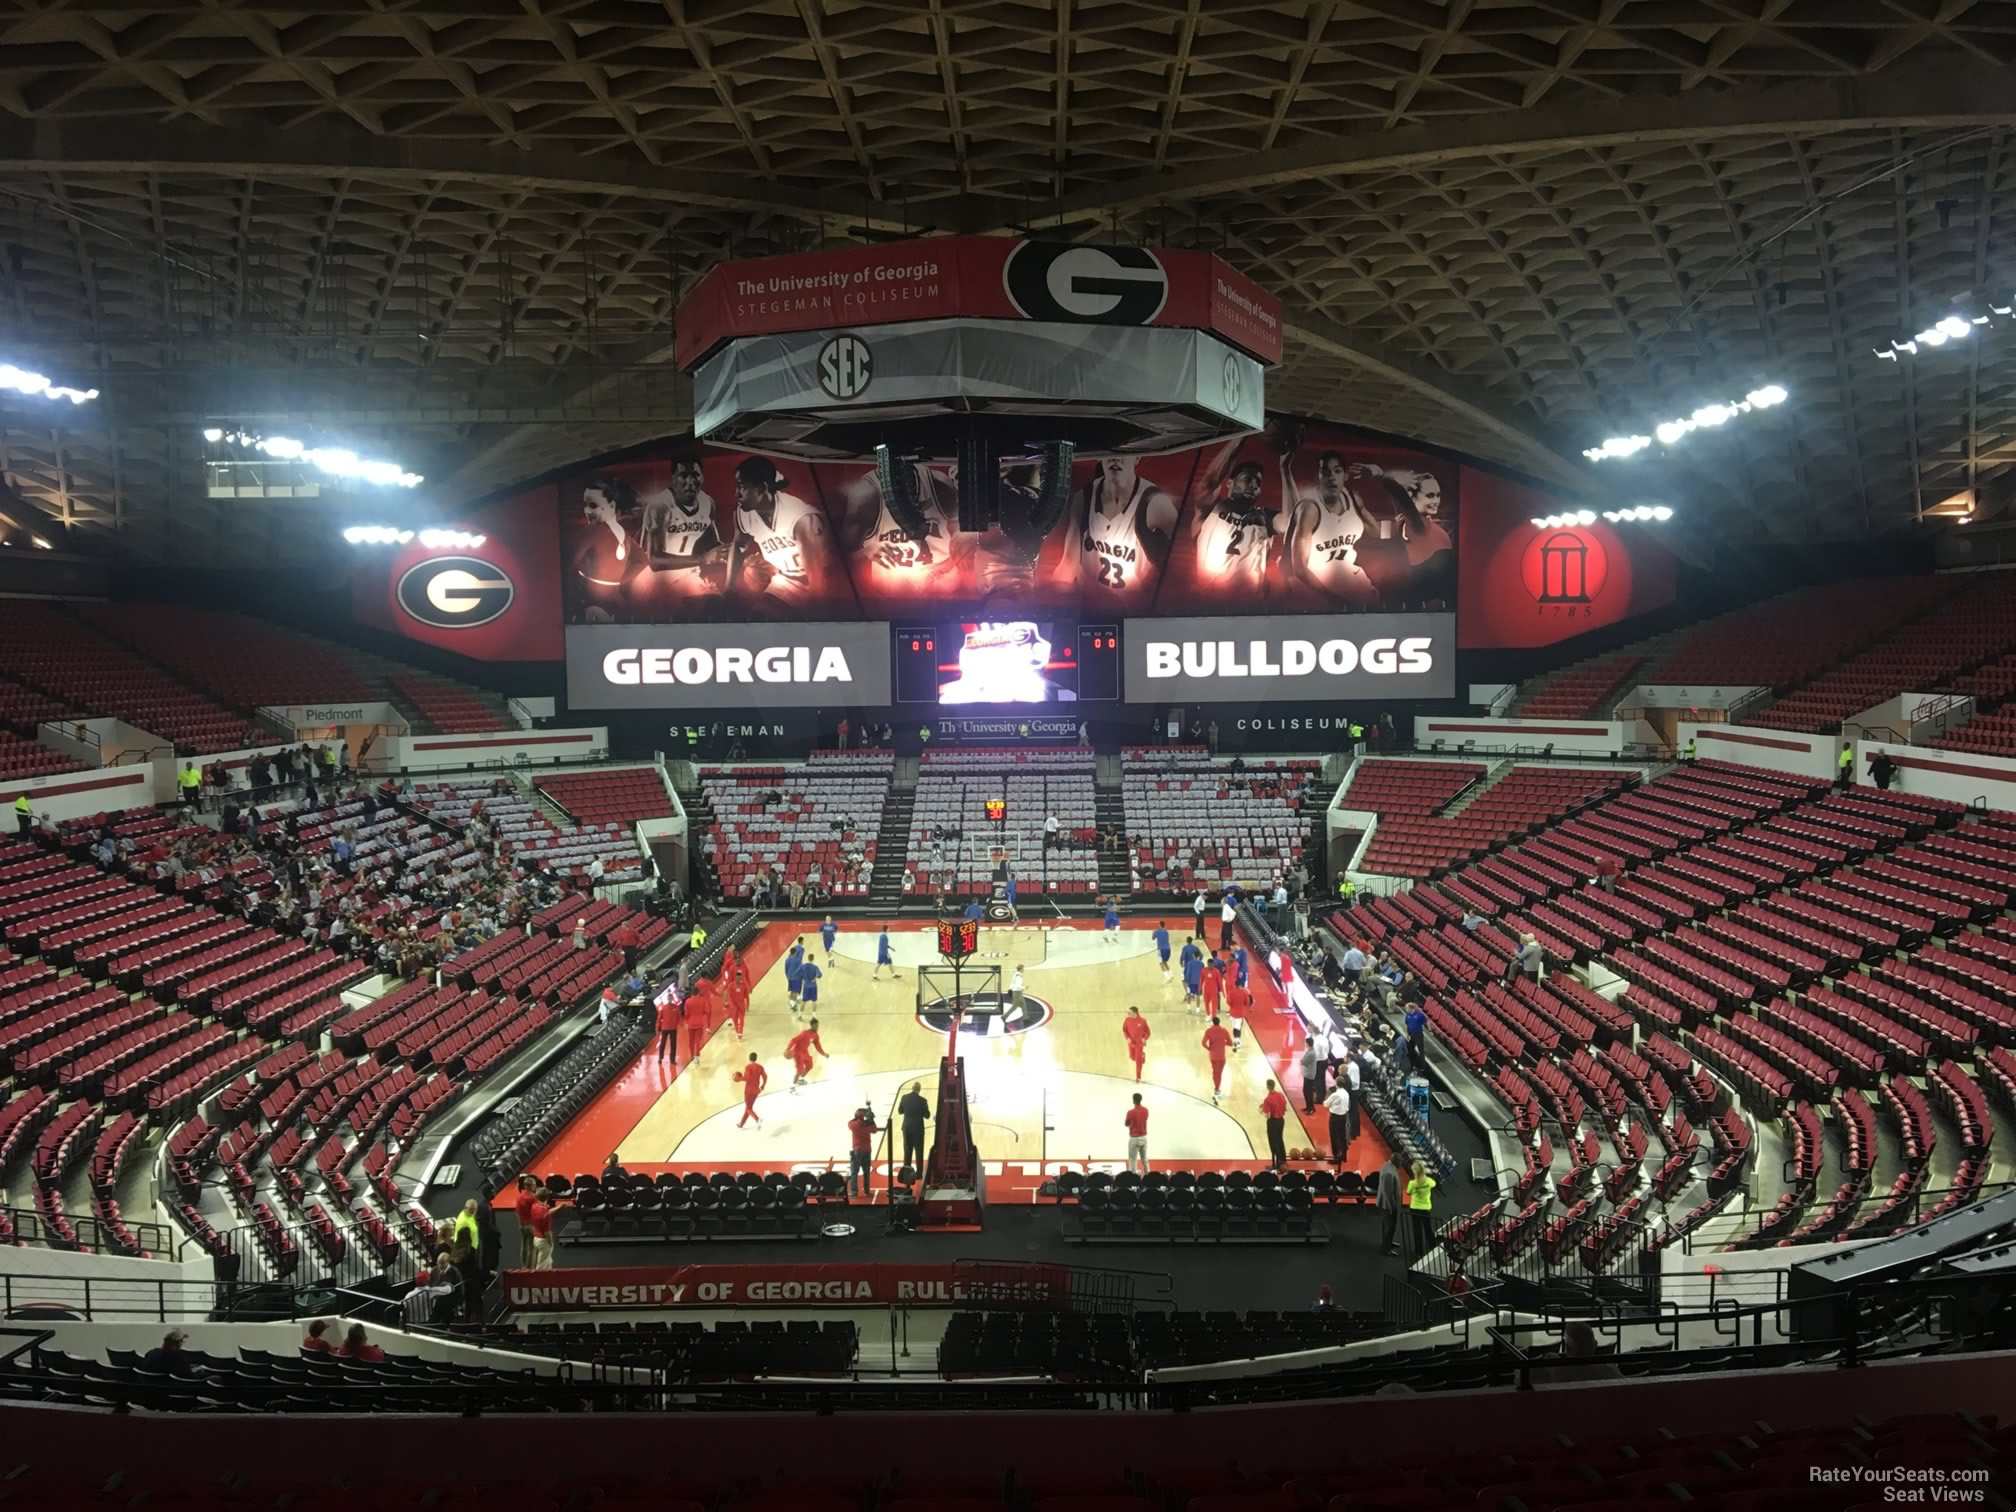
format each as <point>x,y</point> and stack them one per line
<point>1669,432</point>
<point>1942,332</point>
<point>393,535</point>
<point>338,461</point>
<point>35,384</point>
<point>1638,514</point>
<point>459,539</point>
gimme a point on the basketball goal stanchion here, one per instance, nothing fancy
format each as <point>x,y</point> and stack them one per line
<point>952,1193</point>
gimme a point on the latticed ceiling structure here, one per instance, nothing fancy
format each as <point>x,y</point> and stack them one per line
<point>454,232</point>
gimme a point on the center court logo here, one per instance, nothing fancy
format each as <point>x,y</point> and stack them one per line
<point>1064,281</point>
<point>455,592</point>
<point>989,1015</point>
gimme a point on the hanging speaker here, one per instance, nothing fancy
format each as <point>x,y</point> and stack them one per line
<point>898,482</point>
<point>1055,494</point>
<point>979,483</point>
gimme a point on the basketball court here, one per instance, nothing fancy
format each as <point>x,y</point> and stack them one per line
<point>1047,1088</point>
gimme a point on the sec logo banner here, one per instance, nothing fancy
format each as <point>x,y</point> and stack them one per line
<point>455,592</point>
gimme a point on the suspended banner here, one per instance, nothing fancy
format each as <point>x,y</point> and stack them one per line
<point>1311,657</point>
<point>670,1286</point>
<point>981,278</point>
<point>757,666</point>
<point>835,393</point>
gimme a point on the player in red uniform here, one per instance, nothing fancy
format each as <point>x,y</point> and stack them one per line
<point>699,1011</point>
<point>668,1031</point>
<point>1237,1001</point>
<point>1137,1032</point>
<point>1216,1042</point>
<point>753,1078</point>
<point>738,1001</point>
<point>1211,983</point>
<point>803,1043</point>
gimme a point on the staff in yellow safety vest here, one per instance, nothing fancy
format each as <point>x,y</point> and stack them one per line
<point>696,939</point>
<point>1847,770</point>
<point>192,783</point>
<point>24,814</point>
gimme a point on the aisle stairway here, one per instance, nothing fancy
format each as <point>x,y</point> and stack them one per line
<point>702,880</point>
<point>1109,812</point>
<point>1315,850</point>
<point>892,849</point>
<point>378,671</point>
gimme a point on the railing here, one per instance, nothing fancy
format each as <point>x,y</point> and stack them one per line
<point>1492,1345</point>
<point>1851,1326</point>
<point>32,1226</point>
<point>1755,698</point>
<point>137,754</point>
<point>110,1299</point>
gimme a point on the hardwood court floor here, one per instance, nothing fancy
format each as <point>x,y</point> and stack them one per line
<point>1049,1098</point>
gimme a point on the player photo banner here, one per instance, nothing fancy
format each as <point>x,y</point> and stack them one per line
<point>1285,657</point>
<point>861,1285</point>
<point>1298,517</point>
<point>758,666</point>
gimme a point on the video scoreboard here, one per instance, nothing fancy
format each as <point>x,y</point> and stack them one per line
<point>1010,663</point>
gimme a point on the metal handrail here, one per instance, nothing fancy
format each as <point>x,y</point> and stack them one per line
<point>32,1226</point>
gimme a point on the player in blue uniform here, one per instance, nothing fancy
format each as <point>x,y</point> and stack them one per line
<point>1008,894</point>
<point>794,962</point>
<point>883,957</point>
<point>1112,920</point>
<point>1193,977</point>
<point>1239,963</point>
<point>1161,938</point>
<point>974,911</point>
<point>826,933</point>
<point>808,982</point>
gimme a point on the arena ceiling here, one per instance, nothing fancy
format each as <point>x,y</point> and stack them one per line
<point>454,231</point>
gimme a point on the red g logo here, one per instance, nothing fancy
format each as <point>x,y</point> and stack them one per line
<point>1564,566</point>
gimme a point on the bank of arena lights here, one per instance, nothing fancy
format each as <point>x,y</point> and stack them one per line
<point>1669,432</point>
<point>1641,513</point>
<point>1942,332</point>
<point>337,461</point>
<point>392,535</point>
<point>36,386</point>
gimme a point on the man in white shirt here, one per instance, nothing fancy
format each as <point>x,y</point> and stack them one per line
<point>1350,1066</point>
<point>1227,910</point>
<point>1338,1105</point>
<point>1337,1055</point>
<point>1015,993</point>
<point>1354,964</point>
<point>1049,832</point>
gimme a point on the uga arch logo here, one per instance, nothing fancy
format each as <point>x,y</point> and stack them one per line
<point>1564,565</point>
<point>455,592</point>
<point>1063,281</point>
